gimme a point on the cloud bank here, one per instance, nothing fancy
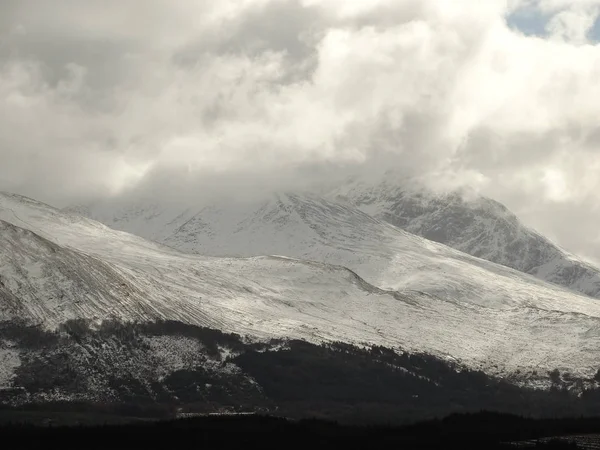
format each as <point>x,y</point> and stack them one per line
<point>101,97</point>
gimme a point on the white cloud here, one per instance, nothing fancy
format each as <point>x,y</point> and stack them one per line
<point>98,96</point>
<point>573,24</point>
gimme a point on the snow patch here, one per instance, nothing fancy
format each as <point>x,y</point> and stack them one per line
<point>9,361</point>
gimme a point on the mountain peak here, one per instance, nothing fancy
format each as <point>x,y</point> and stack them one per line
<point>472,224</point>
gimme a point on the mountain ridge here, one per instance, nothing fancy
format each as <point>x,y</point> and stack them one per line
<point>470,223</point>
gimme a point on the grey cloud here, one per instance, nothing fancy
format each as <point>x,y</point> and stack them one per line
<point>282,26</point>
<point>105,60</point>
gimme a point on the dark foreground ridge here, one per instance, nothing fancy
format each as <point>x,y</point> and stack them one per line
<point>469,431</point>
<point>121,372</point>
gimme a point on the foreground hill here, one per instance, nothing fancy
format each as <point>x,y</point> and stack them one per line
<point>165,368</point>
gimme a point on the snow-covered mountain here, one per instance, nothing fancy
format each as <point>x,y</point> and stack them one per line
<point>356,278</point>
<point>470,223</point>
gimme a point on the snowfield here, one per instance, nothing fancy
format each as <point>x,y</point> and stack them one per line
<point>341,275</point>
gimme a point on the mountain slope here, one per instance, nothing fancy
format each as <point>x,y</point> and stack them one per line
<point>45,282</point>
<point>472,224</point>
<point>401,289</point>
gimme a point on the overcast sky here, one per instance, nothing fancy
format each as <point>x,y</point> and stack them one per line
<point>97,97</point>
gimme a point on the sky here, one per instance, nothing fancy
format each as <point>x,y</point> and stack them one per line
<point>102,97</point>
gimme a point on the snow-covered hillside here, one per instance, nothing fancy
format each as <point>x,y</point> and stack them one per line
<point>472,224</point>
<point>309,227</point>
<point>412,293</point>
